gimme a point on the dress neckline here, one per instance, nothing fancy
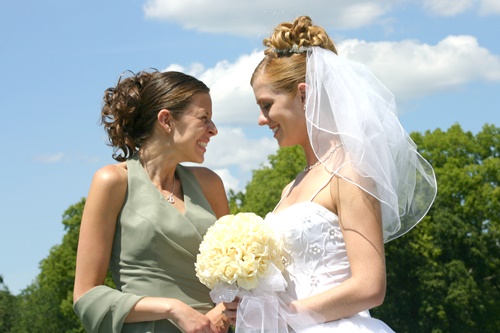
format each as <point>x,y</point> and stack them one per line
<point>326,210</point>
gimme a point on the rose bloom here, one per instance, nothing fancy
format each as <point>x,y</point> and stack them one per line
<point>237,249</point>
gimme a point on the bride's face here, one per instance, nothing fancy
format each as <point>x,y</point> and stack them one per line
<point>282,113</point>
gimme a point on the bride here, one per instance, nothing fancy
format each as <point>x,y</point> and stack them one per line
<point>364,184</point>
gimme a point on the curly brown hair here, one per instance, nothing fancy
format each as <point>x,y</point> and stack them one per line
<point>130,109</point>
<point>285,70</point>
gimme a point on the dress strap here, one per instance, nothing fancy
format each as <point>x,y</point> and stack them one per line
<point>313,196</point>
<point>284,195</point>
<point>322,187</point>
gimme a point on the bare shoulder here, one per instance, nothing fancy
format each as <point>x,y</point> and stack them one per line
<point>355,203</point>
<point>107,192</point>
<point>351,185</point>
<point>111,176</point>
<point>213,189</point>
<point>205,176</point>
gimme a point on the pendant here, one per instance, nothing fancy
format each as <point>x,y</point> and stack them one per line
<point>171,199</point>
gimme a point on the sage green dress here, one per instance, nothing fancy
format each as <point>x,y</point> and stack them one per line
<point>154,251</point>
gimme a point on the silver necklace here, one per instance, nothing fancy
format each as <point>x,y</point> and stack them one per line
<point>170,198</point>
<point>309,167</point>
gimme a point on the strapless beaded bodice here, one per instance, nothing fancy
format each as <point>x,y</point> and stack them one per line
<point>315,255</point>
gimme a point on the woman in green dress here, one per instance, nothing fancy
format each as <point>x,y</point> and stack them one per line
<point>145,216</point>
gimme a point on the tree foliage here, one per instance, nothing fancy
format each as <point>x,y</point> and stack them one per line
<point>7,308</point>
<point>47,304</point>
<point>452,258</point>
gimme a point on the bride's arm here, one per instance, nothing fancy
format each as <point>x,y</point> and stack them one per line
<point>361,223</point>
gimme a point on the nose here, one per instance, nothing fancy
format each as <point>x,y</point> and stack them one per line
<point>212,129</point>
<point>263,119</point>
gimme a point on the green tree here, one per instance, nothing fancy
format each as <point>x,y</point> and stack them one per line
<point>46,305</point>
<point>7,308</point>
<point>443,275</point>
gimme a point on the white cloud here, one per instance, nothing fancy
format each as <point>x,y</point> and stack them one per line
<point>233,98</point>
<point>412,69</point>
<point>232,146</point>
<point>232,95</point>
<point>456,7</point>
<point>448,7</point>
<point>195,69</point>
<point>48,159</point>
<point>260,16</point>
<point>230,182</point>
<point>233,154</point>
<point>236,152</point>
<point>409,68</point>
<point>489,7</point>
<point>64,157</point>
<point>87,159</point>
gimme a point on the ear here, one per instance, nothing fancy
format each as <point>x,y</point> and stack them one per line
<point>302,91</point>
<point>164,119</point>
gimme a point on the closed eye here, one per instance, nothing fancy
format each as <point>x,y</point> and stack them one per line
<point>204,117</point>
<point>265,107</point>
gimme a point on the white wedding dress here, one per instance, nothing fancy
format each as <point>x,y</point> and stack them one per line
<point>315,260</point>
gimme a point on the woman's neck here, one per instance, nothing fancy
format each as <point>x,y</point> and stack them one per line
<point>159,165</point>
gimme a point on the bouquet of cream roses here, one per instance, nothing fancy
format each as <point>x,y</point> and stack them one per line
<point>238,250</point>
<point>240,257</point>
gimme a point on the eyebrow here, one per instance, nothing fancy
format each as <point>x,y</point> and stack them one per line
<point>261,100</point>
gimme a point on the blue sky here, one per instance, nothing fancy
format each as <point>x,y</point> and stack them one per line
<point>441,58</point>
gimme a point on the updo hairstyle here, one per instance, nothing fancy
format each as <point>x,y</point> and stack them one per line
<point>284,70</point>
<point>130,109</point>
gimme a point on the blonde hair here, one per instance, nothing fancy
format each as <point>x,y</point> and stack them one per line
<point>285,70</point>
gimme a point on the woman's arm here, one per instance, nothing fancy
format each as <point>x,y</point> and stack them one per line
<point>184,316</point>
<point>104,202</point>
<point>97,229</point>
<point>361,224</point>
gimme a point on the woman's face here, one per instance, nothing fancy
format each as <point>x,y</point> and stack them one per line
<point>283,113</point>
<point>194,129</point>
